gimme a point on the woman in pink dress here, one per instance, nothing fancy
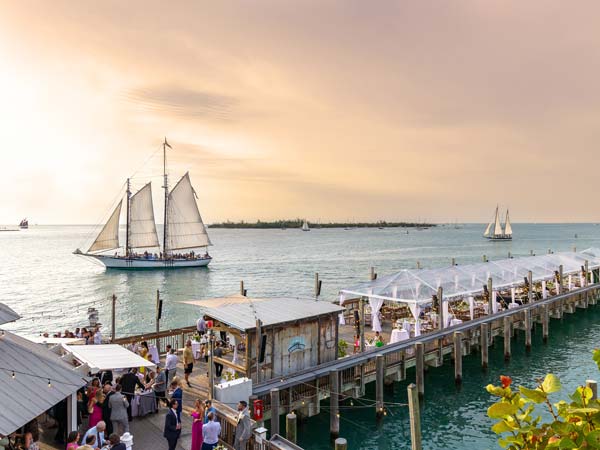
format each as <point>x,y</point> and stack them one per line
<point>96,409</point>
<point>198,416</point>
<point>73,440</point>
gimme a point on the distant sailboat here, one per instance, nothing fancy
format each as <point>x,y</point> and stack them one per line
<point>184,230</point>
<point>499,233</point>
<point>24,224</point>
<point>305,226</point>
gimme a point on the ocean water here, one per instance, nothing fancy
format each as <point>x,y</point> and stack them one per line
<point>52,288</point>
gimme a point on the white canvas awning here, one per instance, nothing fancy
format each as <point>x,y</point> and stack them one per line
<point>106,357</point>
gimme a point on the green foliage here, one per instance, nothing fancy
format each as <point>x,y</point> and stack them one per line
<point>575,422</point>
<point>342,348</point>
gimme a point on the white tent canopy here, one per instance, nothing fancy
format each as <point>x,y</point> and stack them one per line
<point>418,286</point>
<point>106,357</point>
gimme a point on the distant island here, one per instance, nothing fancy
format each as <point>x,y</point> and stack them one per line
<point>297,223</point>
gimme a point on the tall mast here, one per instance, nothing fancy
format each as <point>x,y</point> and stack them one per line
<point>166,187</point>
<point>128,217</point>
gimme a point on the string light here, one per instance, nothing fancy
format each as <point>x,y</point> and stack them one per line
<point>13,375</point>
<point>49,383</point>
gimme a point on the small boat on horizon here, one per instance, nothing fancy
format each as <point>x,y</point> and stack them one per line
<point>184,232</point>
<point>499,233</point>
<point>24,224</point>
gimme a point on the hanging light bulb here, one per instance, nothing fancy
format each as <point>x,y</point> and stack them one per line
<point>351,402</point>
<point>13,375</point>
<point>49,383</point>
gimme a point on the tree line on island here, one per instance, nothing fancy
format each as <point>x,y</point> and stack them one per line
<point>297,223</point>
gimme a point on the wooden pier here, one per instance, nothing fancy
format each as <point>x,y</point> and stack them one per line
<point>347,377</point>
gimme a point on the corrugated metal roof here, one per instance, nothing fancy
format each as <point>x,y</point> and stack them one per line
<point>26,397</point>
<point>7,314</point>
<point>270,311</point>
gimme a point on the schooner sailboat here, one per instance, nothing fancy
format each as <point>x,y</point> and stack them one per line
<point>184,231</point>
<point>499,233</point>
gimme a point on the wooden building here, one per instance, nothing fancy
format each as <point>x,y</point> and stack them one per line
<point>288,334</point>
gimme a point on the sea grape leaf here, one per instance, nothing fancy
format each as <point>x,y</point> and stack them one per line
<point>534,395</point>
<point>501,410</point>
<point>551,384</point>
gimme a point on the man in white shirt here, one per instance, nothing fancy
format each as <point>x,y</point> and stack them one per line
<point>97,337</point>
<point>171,365</point>
<point>211,431</point>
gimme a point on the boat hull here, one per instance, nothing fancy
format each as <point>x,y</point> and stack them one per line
<point>110,262</point>
<point>499,238</point>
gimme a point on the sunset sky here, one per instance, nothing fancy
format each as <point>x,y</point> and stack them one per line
<point>349,110</point>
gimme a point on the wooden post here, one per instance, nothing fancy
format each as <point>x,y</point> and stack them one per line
<point>442,319</point>
<point>593,385</point>
<point>530,252</point>
<point>453,262</point>
<point>484,258</point>
<point>490,297</point>
<point>372,275</point>
<point>274,411</point>
<point>527,323</point>
<point>484,344</point>
<point>545,323</point>
<point>242,290</point>
<point>560,284</point>
<point>507,338</point>
<point>114,318</point>
<point>420,367</point>
<point>316,285</point>
<point>211,366</point>
<point>158,314</point>
<point>334,411</point>
<point>258,344</point>
<point>361,323</point>
<point>509,255</point>
<point>341,444</point>
<point>415,417</point>
<point>290,427</point>
<point>530,289</point>
<point>379,379</point>
<point>458,357</point>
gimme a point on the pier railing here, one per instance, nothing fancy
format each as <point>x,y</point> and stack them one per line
<point>174,337</point>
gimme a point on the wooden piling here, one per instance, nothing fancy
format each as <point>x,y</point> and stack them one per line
<point>113,318</point>
<point>530,288</point>
<point>527,324</point>
<point>317,290</point>
<point>484,344</point>
<point>341,444</point>
<point>242,290</point>
<point>415,417</point>
<point>484,258</point>
<point>506,338</point>
<point>593,385</point>
<point>420,367</point>
<point>334,411</point>
<point>274,411</point>
<point>490,296</point>
<point>453,262</point>
<point>372,275</point>
<point>379,380</point>
<point>361,323</point>
<point>291,427</point>
<point>545,323</point>
<point>458,357</point>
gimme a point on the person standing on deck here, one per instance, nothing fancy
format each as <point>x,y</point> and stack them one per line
<point>218,366</point>
<point>108,391</point>
<point>210,433</point>
<point>177,395</point>
<point>209,408</point>
<point>171,364</point>
<point>119,406</point>
<point>128,383</point>
<point>97,336</point>
<point>243,430</point>
<point>172,429</point>
<point>201,326</point>
<point>188,361</point>
<point>160,386</point>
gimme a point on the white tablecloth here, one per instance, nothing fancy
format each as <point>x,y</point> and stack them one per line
<point>142,404</point>
<point>398,335</point>
<point>455,322</point>
<point>154,357</point>
<point>513,305</point>
<point>196,349</point>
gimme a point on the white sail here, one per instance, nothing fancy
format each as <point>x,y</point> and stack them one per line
<point>305,226</point>
<point>142,229</point>
<point>185,229</point>
<point>507,227</point>
<point>487,230</point>
<point>109,235</point>
<point>497,226</point>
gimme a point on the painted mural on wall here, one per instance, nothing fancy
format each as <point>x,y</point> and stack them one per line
<point>296,343</point>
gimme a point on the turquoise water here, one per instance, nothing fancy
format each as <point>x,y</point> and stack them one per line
<point>52,289</point>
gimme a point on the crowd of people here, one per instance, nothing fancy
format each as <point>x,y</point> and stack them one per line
<point>91,336</point>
